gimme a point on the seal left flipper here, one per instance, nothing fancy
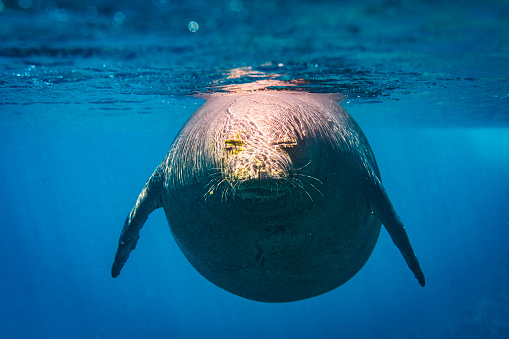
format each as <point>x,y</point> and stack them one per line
<point>148,200</point>
<point>385,212</point>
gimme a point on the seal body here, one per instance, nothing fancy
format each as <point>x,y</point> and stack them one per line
<point>272,196</point>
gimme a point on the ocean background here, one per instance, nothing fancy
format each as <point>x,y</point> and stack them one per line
<point>92,94</point>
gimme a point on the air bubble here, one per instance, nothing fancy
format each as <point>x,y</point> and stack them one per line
<point>118,19</point>
<point>193,26</point>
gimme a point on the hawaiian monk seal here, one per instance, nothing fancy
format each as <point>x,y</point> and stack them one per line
<point>272,196</point>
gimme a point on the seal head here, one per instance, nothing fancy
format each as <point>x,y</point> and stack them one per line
<point>255,161</point>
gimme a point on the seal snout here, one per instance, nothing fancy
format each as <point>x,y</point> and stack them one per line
<point>256,164</point>
<point>265,185</point>
<point>259,179</point>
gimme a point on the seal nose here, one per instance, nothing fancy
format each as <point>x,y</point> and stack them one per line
<point>263,176</point>
<point>261,170</point>
<point>259,161</point>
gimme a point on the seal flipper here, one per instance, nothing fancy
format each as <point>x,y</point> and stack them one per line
<point>385,212</point>
<point>148,200</point>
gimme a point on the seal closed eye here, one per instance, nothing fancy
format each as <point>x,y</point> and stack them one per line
<point>274,197</point>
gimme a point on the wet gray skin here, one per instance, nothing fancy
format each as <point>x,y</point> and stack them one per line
<point>272,196</point>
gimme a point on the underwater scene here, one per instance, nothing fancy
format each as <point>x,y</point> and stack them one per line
<point>93,93</point>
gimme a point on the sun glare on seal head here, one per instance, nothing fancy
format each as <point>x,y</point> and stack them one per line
<point>272,196</point>
<point>255,162</point>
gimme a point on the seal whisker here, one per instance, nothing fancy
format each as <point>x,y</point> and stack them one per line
<point>214,185</point>
<point>221,187</point>
<point>301,186</point>
<point>224,194</point>
<point>234,187</point>
<point>228,191</point>
<point>211,182</point>
<point>214,173</point>
<point>211,185</point>
<point>310,184</point>
<point>309,176</point>
<point>284,182</point>
<point>231,191</point>
<point>292,184</point>
<point>225,189</point>
<point>315,188</point>
<point>300,168</point>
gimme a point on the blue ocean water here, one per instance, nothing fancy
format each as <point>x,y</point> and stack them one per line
<point>93,92</point>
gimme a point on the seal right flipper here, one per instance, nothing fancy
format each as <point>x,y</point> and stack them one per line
<point>385,212</point>
<point>148,200</point>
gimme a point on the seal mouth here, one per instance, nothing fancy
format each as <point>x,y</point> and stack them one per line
<point>261,191</point>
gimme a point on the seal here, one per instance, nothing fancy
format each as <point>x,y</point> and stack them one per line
<point>272,196</point>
